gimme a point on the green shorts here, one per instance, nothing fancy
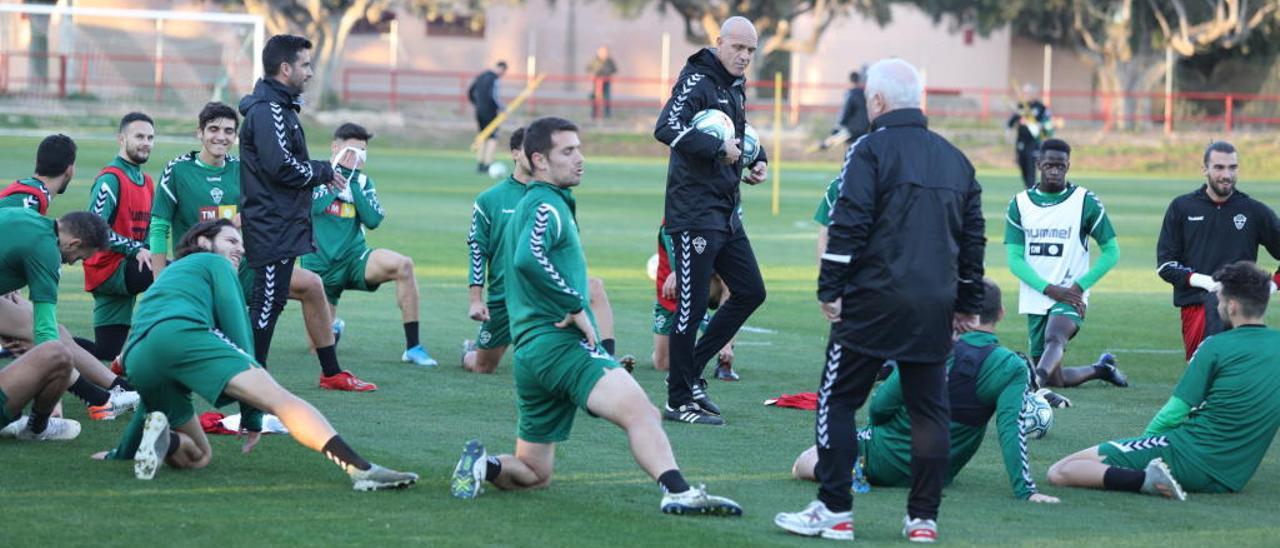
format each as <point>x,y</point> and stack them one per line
<point>496,332</point>
<point>661,319</point>
<point>1037,323</point>
<point>344,275</point>
<point>5,419</point>
<point>112,303</point>
<point>175,358</point>
<point>555,373</point>
<point>1135,453</point>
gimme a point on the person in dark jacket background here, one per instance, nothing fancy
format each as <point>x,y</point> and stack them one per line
<point>483,95</point>
<point>276,178</point>
<point>1033,124</point>
<point>701,215</point>
<point>901,274</point>
<point>1205,230</point>
<point>852,121</point>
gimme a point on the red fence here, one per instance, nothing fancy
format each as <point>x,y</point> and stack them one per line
<point>109,75</point>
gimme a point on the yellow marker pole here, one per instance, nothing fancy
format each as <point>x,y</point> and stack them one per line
<point>775,159</point>
<point>515,104</point>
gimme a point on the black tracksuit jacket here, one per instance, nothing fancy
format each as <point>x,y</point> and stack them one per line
<point>1201,236</point>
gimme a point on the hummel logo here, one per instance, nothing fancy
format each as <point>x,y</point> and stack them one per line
<point>508,211</point>
<point>1196,218</point>
<point>722,101</point>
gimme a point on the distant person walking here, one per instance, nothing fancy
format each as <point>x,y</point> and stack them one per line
<point>602,69</point>
<point>483,95</point>
<point>852,121</point>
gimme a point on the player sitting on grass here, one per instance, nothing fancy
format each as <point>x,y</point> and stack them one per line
<point>189,336</point>
<point>559,367</point>
<point>490,215</point>
<point>664,309</point>
<point>984,379</point>
<point>342,258</point>
<point>39,376</point>
<point>1047,231</point>
<point>1212,434</point>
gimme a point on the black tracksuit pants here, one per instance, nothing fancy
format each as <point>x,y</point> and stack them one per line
<point>266,302</point>
<point>1026,157</point>
<point>846,380</point>
<point>699,253</point>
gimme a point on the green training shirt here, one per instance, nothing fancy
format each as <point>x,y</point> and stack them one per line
<point>1001,383</point>
<point>339,225</point>
<point>548,270</point>
<point>490,215</point>
<point>1093,216</point>
<point>1233,387</point>
<point>823,214</point>
<point>104,199</point>
<point>30,257</point>
<point>26,201</point>
<point>201,288</point>
<point>189,192</point>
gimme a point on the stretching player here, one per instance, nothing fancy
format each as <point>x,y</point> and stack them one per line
<point>122,196</point>
<point>343,259</point>
<point>1046,236</point>
<point>664,308</point>
<point>559,366</point>
<point>984,379</point>
<point>490,215</point>
<point>1212,434</point>
<point>191,330</point>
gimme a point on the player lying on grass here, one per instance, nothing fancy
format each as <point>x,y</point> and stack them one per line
<point>559,365</point>
<point>342,258</point>
<point>984,379</point>
<point>192,335</point>
<point>204,185</point>
<point>489,255</point>
<point>664,309</point>
<point>1047,231</point>
<point>1212,434</point>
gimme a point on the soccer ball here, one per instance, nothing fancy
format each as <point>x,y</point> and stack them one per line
<point>750,146</point>
<point>714,123</point>
<point>497,170</point>
<point>651,268</point>
<point>1036,417</point>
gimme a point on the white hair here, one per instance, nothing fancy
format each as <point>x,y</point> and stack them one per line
<point>897,81</point>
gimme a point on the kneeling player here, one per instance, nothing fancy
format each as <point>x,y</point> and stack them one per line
<point>559,367</point>
<point>1212,434</point>
<point>343,259</point>
<point>188,337</point>
<point>984,379</point>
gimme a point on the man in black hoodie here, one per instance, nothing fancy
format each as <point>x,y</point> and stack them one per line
<point>277,178</point>
<point>701,214</point>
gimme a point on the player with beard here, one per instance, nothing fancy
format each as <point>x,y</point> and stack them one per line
<point>1206,229</point>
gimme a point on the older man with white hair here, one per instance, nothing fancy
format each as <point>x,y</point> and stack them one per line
<point>905,252</point>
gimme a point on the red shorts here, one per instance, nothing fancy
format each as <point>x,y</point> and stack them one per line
<point>1193,324</point>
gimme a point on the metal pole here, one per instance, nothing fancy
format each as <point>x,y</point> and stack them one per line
<point>259,42</point>
<point>159,71</point>
<point>394,56</point>
<point>664,86</point>
<point>1048,74</point>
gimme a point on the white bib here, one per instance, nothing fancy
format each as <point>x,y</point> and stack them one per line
<point>1053,247</point>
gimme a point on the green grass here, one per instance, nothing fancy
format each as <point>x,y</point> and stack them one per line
<point>283,494</point>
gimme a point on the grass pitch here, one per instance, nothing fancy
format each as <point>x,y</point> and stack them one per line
<point>283,494</point>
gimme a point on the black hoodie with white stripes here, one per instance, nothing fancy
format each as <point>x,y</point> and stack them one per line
<point>276,175</point>
<point>702,191</point>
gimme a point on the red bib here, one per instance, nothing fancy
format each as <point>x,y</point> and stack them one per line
<point>133,219</point>
<point>18,188</point>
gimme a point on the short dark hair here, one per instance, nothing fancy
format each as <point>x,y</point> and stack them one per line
<point>1056,144</point>
<point>215,110</point>
<point>990,311</point>
<point>282,48</point>
<point>352,131</point>
<point>189,243</point>
<point>537,136</point>
<point>517,139</point>
<point>89,228</point>
<point>1218,146</point>
<point>501,64</point>
<point>134,117</point>
<point>56,154</point>
<point>855,77</point>
<point>1247,284</point>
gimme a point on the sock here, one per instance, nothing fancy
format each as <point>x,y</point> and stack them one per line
<point>410,335</point>
<point>338,451</point>
<point>328,361</point>
<point>174,443</point>
<point>123,383</point>
<point>673,481</point>
<point>607,345</point>
<point>37,422</point>
<point>1123,479</point>
<point>492,467</point>
<point>88,392</point>
<point>87,344</point>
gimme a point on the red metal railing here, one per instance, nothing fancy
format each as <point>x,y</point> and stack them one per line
<point>97,72</point>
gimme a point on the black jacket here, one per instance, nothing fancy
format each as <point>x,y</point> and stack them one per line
<point>702,191</point>
<point>906,242</point>
<point>483,93</point>
<point>276,175</point>
<point>853,115</point>
<point>1200,236</point>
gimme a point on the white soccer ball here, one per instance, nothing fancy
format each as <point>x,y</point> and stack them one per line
<point>714,123</point>
<point>651,268</point>
<point>497,170</point>
<point>1036,417</point>
<point>750,146</point>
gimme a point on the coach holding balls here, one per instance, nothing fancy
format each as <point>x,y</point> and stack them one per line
<point>701,215</point>
<point>902,272</point>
